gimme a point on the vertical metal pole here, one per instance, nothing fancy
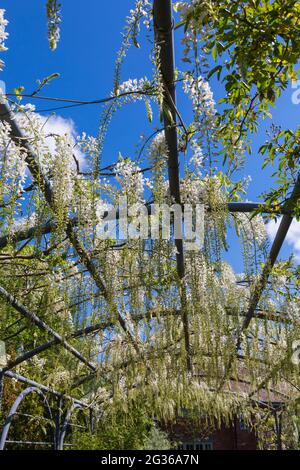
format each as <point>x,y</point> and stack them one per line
<point>236,422</point>
<point>92,421</point>
<point>163,27</point>
<point>278,425</point>
<point>58,422</point>
<point>1,387</point>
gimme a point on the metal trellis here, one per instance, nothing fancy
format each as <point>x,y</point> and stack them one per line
<point>58,423</point>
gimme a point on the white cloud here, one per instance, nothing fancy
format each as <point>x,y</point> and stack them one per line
<point>292,238</point>
<point>61,126</point>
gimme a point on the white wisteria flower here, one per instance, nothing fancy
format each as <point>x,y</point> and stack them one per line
<point>197,158</point>
<point>63,175</point>
<point>142,10</point>
<point>183,7</point>
<point>12,162</point>
<point>201,95</point>
<point>158,147</point>
<point>129,175</point>
<point>3,34</point>
<point>134,87</point>
<point>254,228</point>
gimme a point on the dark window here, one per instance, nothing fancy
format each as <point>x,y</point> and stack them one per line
<point>243,424</point>
<point>208,446</point>
<point>196,445</point>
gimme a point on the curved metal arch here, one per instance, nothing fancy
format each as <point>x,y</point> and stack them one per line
<point>62,434</point>
<point>14,408</point>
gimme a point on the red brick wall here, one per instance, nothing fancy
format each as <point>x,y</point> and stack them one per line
<point>233,438</point>
<point>226,438</point>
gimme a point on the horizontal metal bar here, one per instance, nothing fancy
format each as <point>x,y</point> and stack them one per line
<point>73,425</point>
<point>254,206</point>
<point>33,416</point>
<point>49,226</point>
<point>25,380</point>
<point>38,443</point>
<point>30,443</point>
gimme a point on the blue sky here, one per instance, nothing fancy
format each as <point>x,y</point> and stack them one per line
<point>90,38</point>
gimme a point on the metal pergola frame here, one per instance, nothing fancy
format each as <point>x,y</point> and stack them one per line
<point>163,28</point>
<point>60,423</point>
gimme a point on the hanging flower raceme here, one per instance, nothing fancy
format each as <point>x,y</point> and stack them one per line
<point>195,11</point>
<point>54,20</point>
<point>136,89</point>
<point>33,128</point>
<point>158,147</point>
<point>142,10</point>
<point>197,157</point>
<point>201,95</point>
<point>184,8</point>
<point>53,152</point>
<point>253,228</point>
<point>62,177</point>
<point>90,147</point>
<point>190,38</point>
<point>12,163</point>
<point>131,179</point>
<point>3,34</point>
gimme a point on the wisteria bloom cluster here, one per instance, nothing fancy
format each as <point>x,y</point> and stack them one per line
<point>136,88</point>
<point>199,91</point>
<point>55,259</point>
<point>142,10</point>
<point>3,34</point>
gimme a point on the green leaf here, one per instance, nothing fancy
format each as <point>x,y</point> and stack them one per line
<point>179,25</point>
<point>50,77</point>
<point>214,53</point>
<point>218,69</point>
<point>45,81</point>
<point>18,92</point>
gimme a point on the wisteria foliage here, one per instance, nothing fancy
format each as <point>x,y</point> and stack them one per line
<point>140,277</point>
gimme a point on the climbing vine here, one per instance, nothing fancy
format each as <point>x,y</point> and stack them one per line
<point>128,291</point>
